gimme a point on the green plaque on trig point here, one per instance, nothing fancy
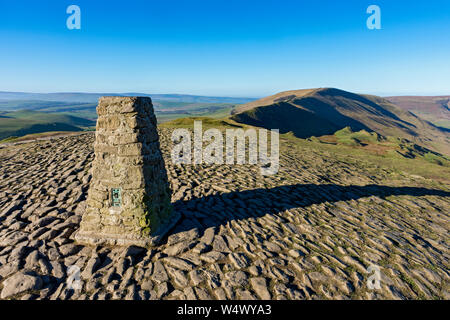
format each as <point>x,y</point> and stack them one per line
<point>116,198</point>
<point>129,199</point>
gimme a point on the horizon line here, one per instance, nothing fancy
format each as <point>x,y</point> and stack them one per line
<point>101,92</point>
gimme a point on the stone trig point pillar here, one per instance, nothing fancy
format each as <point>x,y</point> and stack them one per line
<point>129,198</point>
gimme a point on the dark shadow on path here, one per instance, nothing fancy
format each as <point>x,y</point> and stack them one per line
<point>218,209</point>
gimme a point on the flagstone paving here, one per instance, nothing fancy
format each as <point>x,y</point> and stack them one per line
<point>309,232</point>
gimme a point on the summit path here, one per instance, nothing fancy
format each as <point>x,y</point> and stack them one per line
<point>309,232</point>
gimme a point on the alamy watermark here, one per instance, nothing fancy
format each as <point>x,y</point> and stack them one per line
<point>74,20</point>
<point>73,278</point>
<point>235,147</point>
<point>374,280</point>
<point>374,20</point>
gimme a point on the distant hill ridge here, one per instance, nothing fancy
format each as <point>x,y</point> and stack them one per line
<point>323,111</point>
<point>434,109</point>
<point>93,97</point>
<point>23,122</point>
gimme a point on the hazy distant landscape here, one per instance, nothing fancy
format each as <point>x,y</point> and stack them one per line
<point>29,113</point>
<point>24,113</point>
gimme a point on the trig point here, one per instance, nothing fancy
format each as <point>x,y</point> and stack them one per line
<point>129,199</point>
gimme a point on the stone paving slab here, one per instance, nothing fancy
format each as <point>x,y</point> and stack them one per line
<point>310,232</point>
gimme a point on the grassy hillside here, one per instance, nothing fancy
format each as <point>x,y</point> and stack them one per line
<point>83,110</point>
<point>48,117</point>
<point>25,122</point>
<point>168,111</point>
<point>319,112</point>
<point>387,147</point>
<point>401,158</point>
<point>207,123</point>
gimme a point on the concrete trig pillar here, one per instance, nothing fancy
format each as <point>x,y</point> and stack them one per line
<point>129,198</point>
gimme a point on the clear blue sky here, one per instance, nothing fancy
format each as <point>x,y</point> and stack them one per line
<point>225,47</point>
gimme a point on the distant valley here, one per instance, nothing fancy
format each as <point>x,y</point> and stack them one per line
<point>28,113</point>
<point>24,122</point>
<point>306,113</point>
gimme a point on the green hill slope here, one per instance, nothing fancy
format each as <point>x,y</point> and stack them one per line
<point>24,122</point>
<point>318,112</point>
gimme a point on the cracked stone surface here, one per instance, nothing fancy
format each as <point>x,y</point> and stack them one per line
<point>309,232</point>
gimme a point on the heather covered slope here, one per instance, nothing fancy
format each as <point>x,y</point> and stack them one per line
<point>435,109</point>
<point>324,111</point>
<point>309,232</point>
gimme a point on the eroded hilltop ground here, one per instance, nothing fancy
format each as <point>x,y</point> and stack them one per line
<point>309,232</point>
